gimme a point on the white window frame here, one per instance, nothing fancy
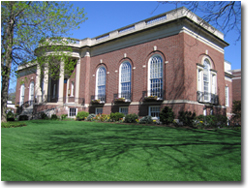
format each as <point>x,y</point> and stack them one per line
<point>122,108</point>
<point>227,96</point>
<point>120,78</point>
<point>31,86</point>
<point>151,109</point>
<point>72,89</point>
<point>22,94</point>
<point>158,77</point>
<point>97,75</point>
<point>97,109</point>
<point>70,113</point>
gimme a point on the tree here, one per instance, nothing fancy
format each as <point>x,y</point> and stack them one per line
<point>224,15</point>
<point>26,25</point>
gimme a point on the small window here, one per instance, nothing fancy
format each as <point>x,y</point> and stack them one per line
<point>98,110</point>
<point>154,111</point>
<point>72,112</point>
<point>123,110</point>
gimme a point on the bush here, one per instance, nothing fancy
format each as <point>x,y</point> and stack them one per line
<point>10,114</point>
<point>146,120</point>
<point>12,124</point>
<point>43,115</point>
<point>131,118</point>
<point>54,117</point>
<point>212,120</point>
<point>23,117</point>
<point>167,115</point>
<point>187,118</point>
<point>82,115</point>
<point>91,117</point>
<point>116,116</point>
<point>63,116</point>
<point>10,119</point>
<point>236,110</point>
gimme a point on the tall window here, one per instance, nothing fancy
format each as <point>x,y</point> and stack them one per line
<point>31,93</point>
<point>206,80</point>
<point>227,95</point>
<point>155,75</point>
<point>125,80</point>
<point>72,89</point>
<point>22,94</point>
<point>101,83</point>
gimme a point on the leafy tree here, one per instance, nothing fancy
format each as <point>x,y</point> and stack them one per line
<point>224,15</point>
<point>29,31</point>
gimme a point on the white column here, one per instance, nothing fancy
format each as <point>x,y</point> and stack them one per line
<point>77,81</point>
<point>45,87</point>
<point>61,83</point>
<point>37,84</point>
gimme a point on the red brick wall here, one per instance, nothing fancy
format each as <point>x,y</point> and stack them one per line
<point>236,89</point>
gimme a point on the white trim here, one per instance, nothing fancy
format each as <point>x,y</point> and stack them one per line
<point>228,79</point>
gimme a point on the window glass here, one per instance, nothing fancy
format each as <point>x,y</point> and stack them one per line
<point>125,80</point>
<point>154,111</point>
<point>156,76</point>
<point>123,110</point>
<point>72,112</point>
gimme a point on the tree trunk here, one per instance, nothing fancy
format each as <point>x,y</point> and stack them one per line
<point>7,68</point>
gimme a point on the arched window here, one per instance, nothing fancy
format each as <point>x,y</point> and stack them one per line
<point>206,80</point>
<point>22,94</point>
<point>101,83</point>
<point>31,93</point>
<point>155,76</point>
<point>125,81</point>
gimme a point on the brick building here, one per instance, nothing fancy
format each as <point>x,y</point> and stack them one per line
<point>236,80</point>
<point>173,59</point>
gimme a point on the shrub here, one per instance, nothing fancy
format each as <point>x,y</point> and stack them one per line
<point>236,110</point>
<point>212,120</point>
<point>116,116</point>
<point>187,118</point>
<point>91,117</point>
<point>82,115</point>
<point>10,114</point>
<point>43,115</point>
<point>10,119</point>
<point>54,117</point>
<point>63,116</point>
<point>104,117</point>
<point>167,115</point>
<point>131,118</point>
<point>12,124</point>
<point>146,120</point>
<point>23,117</point>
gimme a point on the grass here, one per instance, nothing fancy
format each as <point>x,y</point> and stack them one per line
<point>88,151</point>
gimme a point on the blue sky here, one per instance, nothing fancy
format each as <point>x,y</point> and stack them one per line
<point>105,16</point>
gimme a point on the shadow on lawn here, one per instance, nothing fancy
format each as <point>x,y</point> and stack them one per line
<point>170,149</point>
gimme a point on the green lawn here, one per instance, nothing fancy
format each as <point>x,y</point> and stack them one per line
<point>87,151</point>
